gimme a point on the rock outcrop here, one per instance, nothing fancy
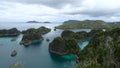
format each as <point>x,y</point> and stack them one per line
<point>14,53</point>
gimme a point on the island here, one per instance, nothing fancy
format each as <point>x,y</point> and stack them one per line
<point>14,53</point>
<point>46,22</point>
<point>9,33</point>
<point>87,24</point>
<point>41,30</point>
<point>68,42</point>
<point>33,22</point>
<point>37,22</point>
<point>32,38</point>
<point>62,46</point>
<point>32,35</point>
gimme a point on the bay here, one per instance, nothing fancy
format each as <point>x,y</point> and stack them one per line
<point>34,56</point>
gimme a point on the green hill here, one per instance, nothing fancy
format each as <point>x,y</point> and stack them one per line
<point>87,24</point>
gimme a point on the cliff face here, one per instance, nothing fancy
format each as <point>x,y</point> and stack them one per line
<point>62,46</point>
<point>31,38</point>
<point>103,51</point>
<point>67,43</point>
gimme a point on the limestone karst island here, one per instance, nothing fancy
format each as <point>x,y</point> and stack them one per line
<point>59,34</point>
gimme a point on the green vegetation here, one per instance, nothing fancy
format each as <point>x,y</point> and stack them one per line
<point>87,24</point>
<point>70,34</point>
<point>33,35</point>
<point>9,33</point>
<point>41,30</point>
<point>31,38</point>
<point>63,46</point>
<point>67,43</point>
<point>103,51</point>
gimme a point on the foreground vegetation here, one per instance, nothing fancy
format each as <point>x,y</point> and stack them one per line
<point>103,51</point>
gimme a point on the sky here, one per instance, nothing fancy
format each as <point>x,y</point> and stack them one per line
<point>59,10</point>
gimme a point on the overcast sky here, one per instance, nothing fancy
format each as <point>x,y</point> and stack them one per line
<point>59,10</point>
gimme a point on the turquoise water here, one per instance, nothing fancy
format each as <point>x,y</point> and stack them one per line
<point>84,43</point>
<point>34,56</point>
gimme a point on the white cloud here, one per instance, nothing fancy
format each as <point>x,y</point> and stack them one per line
<point>59,10</point>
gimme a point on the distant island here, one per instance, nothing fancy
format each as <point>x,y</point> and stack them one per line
<point>88,24</point>
<point>37,22</point>
<point>33,22</point>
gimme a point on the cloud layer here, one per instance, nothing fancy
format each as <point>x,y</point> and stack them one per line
<point>59,10</point>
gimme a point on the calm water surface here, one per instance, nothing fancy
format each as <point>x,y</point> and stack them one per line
<point>34,56</point>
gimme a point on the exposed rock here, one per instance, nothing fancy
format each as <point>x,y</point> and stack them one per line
<point>47,40</point>
<point>14,53</point>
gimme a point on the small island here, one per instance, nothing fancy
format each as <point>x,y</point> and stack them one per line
<point>62,46</point>
<point>41,30</point>
<point>14,53</point>
<point>31,39</point>
<point>32,35</point>
<point>33,22</point>
<point>9,33</point>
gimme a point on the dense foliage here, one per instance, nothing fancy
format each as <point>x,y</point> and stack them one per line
<point>66,34</point>
<point>63,46</point>
<point>41,30</point>
<point>103,51</point>
<point>10,32</point>
<point>29,38</point>
<point>33,35</point>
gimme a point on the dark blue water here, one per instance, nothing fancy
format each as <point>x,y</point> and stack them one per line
<point>34,56</point>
